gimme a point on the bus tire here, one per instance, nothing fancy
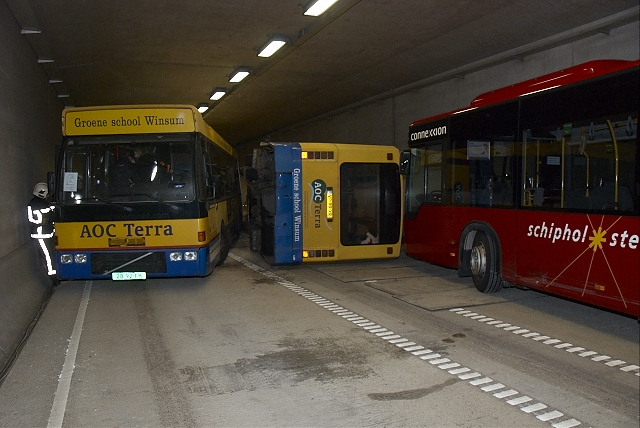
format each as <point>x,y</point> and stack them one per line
<point>483,264</point>
<point>225,243</point>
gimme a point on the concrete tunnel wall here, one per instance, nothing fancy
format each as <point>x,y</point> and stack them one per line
<point>30,129</point>
<point>30,114</point>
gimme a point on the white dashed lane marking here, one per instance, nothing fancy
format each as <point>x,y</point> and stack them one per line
<point>556,343</point>
<point>528,405</point>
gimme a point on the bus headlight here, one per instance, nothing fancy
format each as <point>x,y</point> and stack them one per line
<point>175,257</point>
<point>65,259</point>
<point>80,258</point>
<point>190,256</point>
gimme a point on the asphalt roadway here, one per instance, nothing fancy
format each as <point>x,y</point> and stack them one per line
<point>376,344</point>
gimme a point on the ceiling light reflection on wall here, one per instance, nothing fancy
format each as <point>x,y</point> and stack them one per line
<point>239,74</point>
<point>217,94</point>
<point>318,7</point>
<point>272,46</point>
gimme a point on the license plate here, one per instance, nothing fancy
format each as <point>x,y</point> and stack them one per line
<point>128,276</point>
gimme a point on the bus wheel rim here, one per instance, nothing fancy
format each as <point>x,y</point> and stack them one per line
<point>478,260</point>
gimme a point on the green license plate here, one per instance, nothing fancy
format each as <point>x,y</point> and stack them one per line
<point>128,276</point>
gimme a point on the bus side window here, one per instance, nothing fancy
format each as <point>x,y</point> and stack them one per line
<point>209,184</point>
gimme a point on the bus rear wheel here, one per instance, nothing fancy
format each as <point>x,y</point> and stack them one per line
<point>225,243</point>
<point>483,264</point>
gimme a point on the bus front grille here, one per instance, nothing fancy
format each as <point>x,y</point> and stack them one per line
<point>101,263</point>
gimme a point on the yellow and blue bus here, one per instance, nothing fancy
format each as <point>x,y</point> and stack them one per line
<point>325,202</point>
<point>143,191</point>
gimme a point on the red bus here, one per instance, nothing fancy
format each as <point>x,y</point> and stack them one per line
<point>535,185</point>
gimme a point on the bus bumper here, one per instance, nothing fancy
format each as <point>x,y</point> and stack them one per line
<point>155,263</point>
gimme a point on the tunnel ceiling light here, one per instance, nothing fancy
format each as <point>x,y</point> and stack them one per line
<point>272,46</point>
<point>217,94</point>
<point>202,107</point>
<point>239,74</point>
<point>318,7</point>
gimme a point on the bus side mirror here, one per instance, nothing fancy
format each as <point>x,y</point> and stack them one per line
<point>405,161</point>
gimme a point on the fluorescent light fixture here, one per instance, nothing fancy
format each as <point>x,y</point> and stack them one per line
<point>217,94</point>
<point>318,7</point>
<point>239,74</point>
<point>202,107</point>
<point>272,46</point>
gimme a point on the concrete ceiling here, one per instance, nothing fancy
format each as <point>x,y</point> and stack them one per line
<point>176,51</point>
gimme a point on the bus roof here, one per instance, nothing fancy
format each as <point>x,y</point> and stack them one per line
<point>567,76</point>
<point>138,119</point>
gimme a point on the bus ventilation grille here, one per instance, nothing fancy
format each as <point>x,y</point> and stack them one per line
<point>105,262</point>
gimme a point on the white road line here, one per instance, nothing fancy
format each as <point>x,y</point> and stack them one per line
<point>469,375</point>
<point>64,381</point>
<point>505,394</point>
<point>519,400</point>
<point>482,381</point>
<point>566,424</point>
<point>493,387</point>
<point>534,408</point>
<point>430,356</point>
<point>443,363</point>
<point>448,366</point>
<point>550,415</point>
<point>414,348</point>
<point>557,343</point>
<point>630,368</point>
<point>371,327</point>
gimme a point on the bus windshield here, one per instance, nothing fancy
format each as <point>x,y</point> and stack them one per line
<point>141,168</point>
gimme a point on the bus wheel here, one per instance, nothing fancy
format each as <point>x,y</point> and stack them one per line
<point>225,243</point>
<point>483,264</point>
